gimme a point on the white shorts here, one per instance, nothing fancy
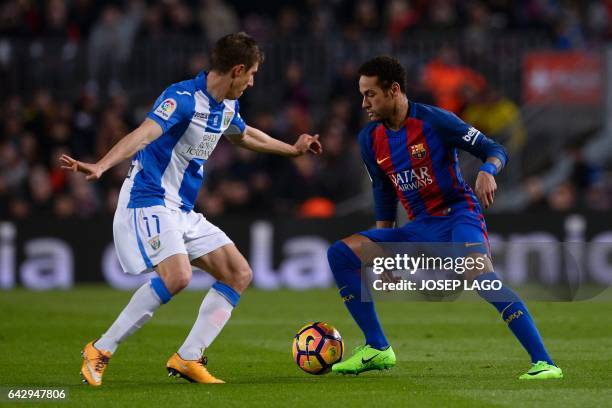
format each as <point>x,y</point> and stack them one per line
<point>146,236</point>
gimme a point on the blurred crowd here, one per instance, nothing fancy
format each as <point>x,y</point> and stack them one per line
<point>570,23</point>
<point>36,128</point>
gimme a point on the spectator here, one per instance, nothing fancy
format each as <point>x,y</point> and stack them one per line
<point>111,40</point>
<point>295,91</point>
<point>340,161</point>
<point>153,27</point>
<point>366,17</point>
<point>181,19</point>
<point>13,170</point>
<point>446,79</point>
<point>217,18</point>
<point>288,24</point>
<point>82,14</point>
<point>400,16</point>
<point>41,194</point>
<point>495,116</point>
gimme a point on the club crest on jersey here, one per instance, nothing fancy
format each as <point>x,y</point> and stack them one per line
<point>166,108</point>
<point>418,151</point>
<point>227,118</point>
<point>155,242</point>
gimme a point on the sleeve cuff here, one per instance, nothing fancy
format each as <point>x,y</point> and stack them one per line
<point>162,123</point>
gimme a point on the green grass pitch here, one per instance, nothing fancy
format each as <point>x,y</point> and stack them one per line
<point>449,354</point>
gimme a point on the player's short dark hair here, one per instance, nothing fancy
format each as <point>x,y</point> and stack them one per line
<point>387,69</point>
<point>235,49</point>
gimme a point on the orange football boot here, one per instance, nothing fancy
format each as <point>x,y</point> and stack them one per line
<point>94,363</point>
<point>191,370</point>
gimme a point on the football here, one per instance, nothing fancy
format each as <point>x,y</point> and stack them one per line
<point>316,347</point>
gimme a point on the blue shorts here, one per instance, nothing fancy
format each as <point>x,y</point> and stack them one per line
<point>462,227</point>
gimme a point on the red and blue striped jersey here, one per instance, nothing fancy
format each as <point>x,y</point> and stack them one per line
<point>418,164</point>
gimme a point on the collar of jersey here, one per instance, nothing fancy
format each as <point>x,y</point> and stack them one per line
<point>411,109</point>
<point>400,132</point>
<point>201,85</point>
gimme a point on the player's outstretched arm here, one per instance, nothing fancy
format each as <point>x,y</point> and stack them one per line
<point>144,134</point>
<point>256,140</point>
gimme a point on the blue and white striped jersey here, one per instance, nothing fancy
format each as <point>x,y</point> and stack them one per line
<point>170,170</point>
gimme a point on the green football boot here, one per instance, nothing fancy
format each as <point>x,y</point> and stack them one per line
<point>366,358</point>
<point>542,371</point>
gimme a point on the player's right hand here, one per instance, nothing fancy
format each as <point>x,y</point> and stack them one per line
<point>91,170</point>
<point>485,188</point>
<point>308,143</point>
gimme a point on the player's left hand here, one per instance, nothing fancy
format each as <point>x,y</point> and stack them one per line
<point>308,143</point>
<point>485,188</point>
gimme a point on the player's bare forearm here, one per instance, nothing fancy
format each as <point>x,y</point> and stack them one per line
<point>147,132</point>
<point>385,224</point>
<point>256,140</point>
<point>133,142</point>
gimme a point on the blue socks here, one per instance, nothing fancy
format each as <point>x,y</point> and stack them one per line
<point>346,268</point>
<point>515,314</point>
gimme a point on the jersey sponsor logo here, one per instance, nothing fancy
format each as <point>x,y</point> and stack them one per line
<point>166,108</point>
<point>227,118</point>
<point>418,152</point>
<point>381,161</point>
<point>204,148</point>
<point>471,135</point>
<point>413,179</point>
<point>201,115</point>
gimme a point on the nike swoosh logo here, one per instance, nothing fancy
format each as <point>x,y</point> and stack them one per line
<point>382,160</point>
<point>471,244</point>
<point>369,359</point>
<point>183,93</point>
<point>537,372</point>
<point>93,373</point>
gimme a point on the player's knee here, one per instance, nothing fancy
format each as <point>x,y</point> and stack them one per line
<point>241,278</point>
<point>179,281</point>
<point>245,277</point>
<point>334,252</point>
<point>339,254</point>
<point>480,264</point>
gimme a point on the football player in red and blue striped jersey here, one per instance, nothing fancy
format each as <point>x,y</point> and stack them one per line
<point>410,152</point>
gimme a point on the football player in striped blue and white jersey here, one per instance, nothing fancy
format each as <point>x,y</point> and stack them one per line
<point>155,227</point>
